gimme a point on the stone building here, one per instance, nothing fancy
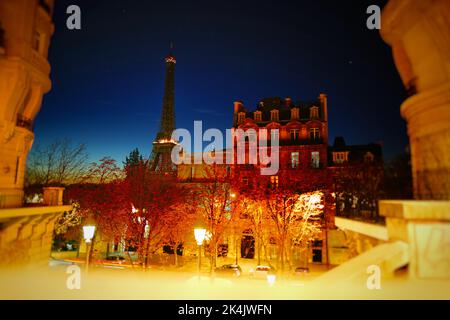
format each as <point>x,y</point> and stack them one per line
<point>26,28</point>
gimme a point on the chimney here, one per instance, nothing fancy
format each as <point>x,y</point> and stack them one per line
<point>288,101</point>
<point>324,102</point>
<point>237,107</point>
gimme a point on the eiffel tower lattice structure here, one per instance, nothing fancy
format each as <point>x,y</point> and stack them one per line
<point>160,159</point>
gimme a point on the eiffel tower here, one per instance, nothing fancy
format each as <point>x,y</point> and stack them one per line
<point>161,161</point>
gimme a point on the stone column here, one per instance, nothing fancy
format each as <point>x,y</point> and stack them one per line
<point>419,34</point>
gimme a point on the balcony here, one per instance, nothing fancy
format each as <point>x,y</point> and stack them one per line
<point>24,122</point>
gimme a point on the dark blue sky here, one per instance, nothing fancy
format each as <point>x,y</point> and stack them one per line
<point>108,77</point>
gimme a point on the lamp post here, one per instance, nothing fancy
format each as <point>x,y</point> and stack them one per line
<point>199,233</point>
<point>88,234</point>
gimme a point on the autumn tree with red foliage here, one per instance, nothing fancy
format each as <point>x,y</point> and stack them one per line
<point>290,206</point>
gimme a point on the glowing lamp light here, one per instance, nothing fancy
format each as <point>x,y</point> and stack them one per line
<point>200,234</point>
<point>88,233</point>
<point>271,278</point>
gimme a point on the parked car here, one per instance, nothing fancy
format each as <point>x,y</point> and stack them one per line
<point>115,259</point>
<point>230,270</point>
<point>299,271</point>
<point>261,272</point>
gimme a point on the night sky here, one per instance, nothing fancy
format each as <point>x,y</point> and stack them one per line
<point>108,78</point>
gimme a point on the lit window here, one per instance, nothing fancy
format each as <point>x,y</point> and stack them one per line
<point>275,135</point>
<point>295,159</point>
<point>340,157</point>
<point>257,116</point>
<point>315,159</point>
<point>295,133</point>
<point>314,134</point>
<point>241,117</point>
<point>314,112</point>
<point>245,181</point>
<point>295,114</point>
<point>274,115</point>
<point>274,181</point>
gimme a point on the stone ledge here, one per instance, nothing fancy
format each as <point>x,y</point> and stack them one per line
<point>368,229</point>
<point>415,210</point>
<point>32,211</point>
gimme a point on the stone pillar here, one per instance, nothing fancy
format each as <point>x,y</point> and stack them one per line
<point>419,34</point>
<point>53,196</point>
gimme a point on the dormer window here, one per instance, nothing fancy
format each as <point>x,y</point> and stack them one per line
<point>274,115</point>
<point>369,157</point>
<point>340,157</point>
<point>257,116</point>
<point>295,114</point>
<point>241,117</point>
<point>314,112</point>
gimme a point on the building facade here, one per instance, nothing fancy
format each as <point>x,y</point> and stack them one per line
<point>26,29</point>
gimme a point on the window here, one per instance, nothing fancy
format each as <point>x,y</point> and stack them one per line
<point>274,115</point>
<point>275,135</point>
<point>369,157</point>
<point>295,134</point>
<point>340,157</point>
<point>245,181</point>
<point>241,117</point>
<point>274,181</point>
<point>257,116</point>
<point>295,114</point>
<point>314,134</point>
<point>314,112</point>
<point>39,41</point>
<point>315,159</point>
<point>36,40</point>
<point>295,159</point>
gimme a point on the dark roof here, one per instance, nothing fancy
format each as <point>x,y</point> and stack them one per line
<point>356,152</point>
<point>284,106</point>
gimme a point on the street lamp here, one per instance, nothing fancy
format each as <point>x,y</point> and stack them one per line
<point>199,233</point>
<point>88,234</point>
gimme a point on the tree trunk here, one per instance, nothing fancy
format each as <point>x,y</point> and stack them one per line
<point>176,255</point>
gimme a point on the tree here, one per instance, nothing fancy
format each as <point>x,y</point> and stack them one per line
<point>398,177</point>
<point>214,200</point>
<point>60,163</point>
<point>290,206</point>
<point>180,222</point>
<point>358,188</point>
<point>103,200</point>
